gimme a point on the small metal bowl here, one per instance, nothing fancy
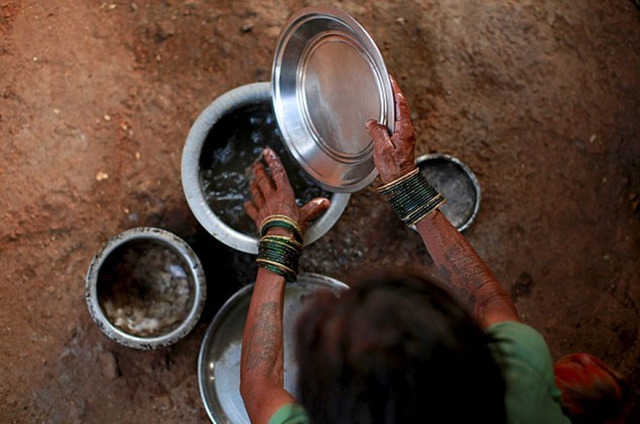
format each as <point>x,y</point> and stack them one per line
<point>118,272</point>
<point>235,99</point>
<point>457,183</point>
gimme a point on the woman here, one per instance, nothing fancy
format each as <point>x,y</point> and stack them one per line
<point>394,348</point>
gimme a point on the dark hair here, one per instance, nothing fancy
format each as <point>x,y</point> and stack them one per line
<point>395,349</point>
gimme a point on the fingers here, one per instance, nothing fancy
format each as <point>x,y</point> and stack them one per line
<point>251,210</point>
<point>402,107</point>
<point>263,179</point>
<point>313,209</point>
<point>277,170</point>
<point>378,133</point>
<point>256,193</point>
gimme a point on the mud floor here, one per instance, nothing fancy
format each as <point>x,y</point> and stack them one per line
<point>541,98</point>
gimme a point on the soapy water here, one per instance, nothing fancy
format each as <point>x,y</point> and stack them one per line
<point>231,147</point>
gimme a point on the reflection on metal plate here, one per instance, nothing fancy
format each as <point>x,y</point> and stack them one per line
<point>328,79</point>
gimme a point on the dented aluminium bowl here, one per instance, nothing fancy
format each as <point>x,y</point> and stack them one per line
<point>195,275</point>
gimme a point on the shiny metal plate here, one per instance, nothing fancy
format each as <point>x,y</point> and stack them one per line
<point>219,359</point>
<point>328,79</point>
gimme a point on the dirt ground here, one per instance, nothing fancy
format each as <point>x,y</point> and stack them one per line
<point>541,98</point>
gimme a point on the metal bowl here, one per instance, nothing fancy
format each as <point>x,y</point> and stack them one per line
<point>219,359</point>
<point>242,96</point>
<point>194,275</point>
<point>457,183</point>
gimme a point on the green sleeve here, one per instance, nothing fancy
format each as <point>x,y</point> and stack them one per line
<point>526,364</point>
<point>291,413</point>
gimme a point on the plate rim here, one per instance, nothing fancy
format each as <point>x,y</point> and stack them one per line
<point>385,92</point>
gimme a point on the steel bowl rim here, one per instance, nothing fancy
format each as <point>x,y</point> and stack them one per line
<point>178,246</point>
<point>470,174</point>
<point>253,93</point>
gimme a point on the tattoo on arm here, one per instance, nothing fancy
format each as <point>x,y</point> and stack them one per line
<point>265,337</point>
<point>462,277</point>
<point>465,274</point>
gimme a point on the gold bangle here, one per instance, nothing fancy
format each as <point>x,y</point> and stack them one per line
<point>398,180</point>
<point>429,212</point>
<point>281,218</point>
<point>277,265</point>
<point>283,240</point>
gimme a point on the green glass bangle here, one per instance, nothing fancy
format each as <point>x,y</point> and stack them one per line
<point>279,254</point>
<point>282,257</point>
<point>290,261</point>
<point>428,211</point>
<point>282,224</point>
<point>283,242</point>
<point>411,197</point>
<point>423,211</point>
<point>288,276</point>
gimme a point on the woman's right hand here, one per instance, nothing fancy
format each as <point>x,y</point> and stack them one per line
<point>273,195</point>
<point>394,155</point>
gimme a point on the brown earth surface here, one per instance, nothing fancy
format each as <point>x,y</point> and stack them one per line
<point>540,98</point>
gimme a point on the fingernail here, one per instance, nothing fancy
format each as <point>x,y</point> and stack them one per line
<point>369,122</point>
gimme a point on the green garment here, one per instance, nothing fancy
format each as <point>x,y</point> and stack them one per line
<point>523,356</point>
<point>527,369</point>
<point>290,414</point>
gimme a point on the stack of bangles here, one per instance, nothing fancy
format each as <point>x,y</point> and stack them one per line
<point>280,254</point>
<point>411,197</point>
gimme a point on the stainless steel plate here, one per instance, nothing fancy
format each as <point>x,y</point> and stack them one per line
<point>328,79</point>
<point>219,360</point>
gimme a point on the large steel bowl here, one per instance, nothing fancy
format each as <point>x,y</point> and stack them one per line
<point>242,96</point>
<point>219,359</point>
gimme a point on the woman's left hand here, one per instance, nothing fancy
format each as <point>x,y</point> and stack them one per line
<point>273,195</point>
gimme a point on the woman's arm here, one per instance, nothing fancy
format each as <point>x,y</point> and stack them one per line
<point>464,272</point>
<point>461,269</point>
<point>261,366</point>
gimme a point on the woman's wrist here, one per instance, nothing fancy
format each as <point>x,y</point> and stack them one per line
<point>266,276</point>
<point>399,173</point>
<point>280,246</point>
<point>281,222</point>
<point>411,197</point>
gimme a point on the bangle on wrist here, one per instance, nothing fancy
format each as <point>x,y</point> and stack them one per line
<point>282,221</point>
<point>411,197</point>
<point>280,255</point>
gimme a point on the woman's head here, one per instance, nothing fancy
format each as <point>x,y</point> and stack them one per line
<point>393,349</point>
